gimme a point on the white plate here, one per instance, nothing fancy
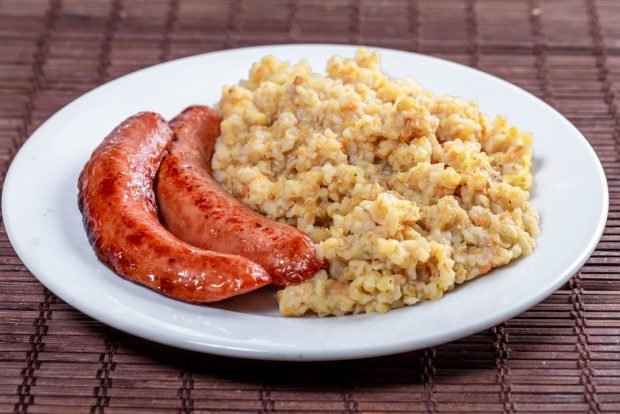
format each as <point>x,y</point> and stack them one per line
<point>44,224</point>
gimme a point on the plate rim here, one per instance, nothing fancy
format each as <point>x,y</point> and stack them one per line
<point>402,346</point>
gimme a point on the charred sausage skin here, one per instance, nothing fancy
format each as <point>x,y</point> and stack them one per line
<point>120,216</point>
<point>199,211</point>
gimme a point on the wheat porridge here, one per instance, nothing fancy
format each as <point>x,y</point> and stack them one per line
<point>406,194</point>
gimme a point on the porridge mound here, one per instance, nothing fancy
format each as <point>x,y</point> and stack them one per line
<point>405,194</point>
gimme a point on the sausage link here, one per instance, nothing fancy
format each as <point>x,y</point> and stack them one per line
<point>119,212</point>
<point>198,210</point>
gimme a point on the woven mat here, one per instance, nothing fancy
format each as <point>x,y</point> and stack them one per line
<point>560,356</point>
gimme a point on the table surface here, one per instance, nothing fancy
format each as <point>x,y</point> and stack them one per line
<point>560,356</point>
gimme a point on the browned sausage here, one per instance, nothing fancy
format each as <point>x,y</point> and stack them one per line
<point>198,210</point>
<point>117,202</point>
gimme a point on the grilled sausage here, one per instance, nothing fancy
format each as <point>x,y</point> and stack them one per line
<point>117,202</point>
<point>198,210</point>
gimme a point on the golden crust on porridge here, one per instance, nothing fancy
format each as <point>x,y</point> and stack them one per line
<point>405,194</point>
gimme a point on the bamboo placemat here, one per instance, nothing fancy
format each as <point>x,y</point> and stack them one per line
<point>560,356</point>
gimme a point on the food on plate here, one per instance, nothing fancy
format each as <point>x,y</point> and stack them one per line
<point>374,192</point>
<point>117,202</point>
<point>195,208</point>
<point>406,194</point>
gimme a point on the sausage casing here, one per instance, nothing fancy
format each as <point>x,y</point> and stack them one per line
<point>120,216</point>
<point>198,210</point>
